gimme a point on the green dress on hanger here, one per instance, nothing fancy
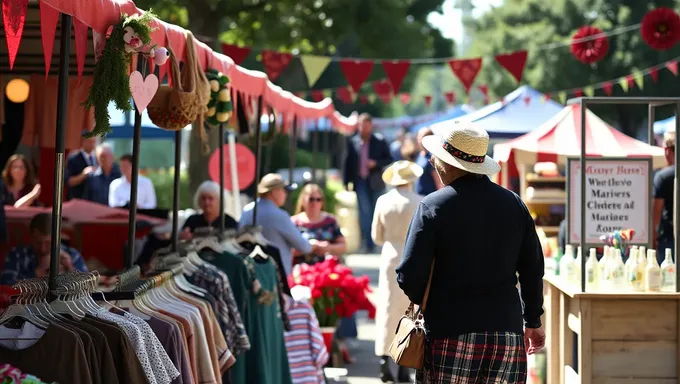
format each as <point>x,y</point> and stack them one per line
<point>255,287</point>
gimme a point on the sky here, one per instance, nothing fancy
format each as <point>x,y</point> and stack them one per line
<point>450,23</point>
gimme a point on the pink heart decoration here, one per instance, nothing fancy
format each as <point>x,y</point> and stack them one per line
<point>142,89</point>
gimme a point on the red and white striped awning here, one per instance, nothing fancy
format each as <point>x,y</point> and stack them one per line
<point>560,138</point>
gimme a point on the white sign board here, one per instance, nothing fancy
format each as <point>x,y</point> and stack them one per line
<point>617,197</point>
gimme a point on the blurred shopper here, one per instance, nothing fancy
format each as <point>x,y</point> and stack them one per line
<point>120,188</point>
<point>98,182</point>
<point>207,200</point>
<point>662,210</point>
<point>20,187</point>
<point>78,165</point>
<point>395,146</point>
<point>429,181</point>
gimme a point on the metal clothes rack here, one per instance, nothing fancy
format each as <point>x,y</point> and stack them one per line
<point>651,102</point>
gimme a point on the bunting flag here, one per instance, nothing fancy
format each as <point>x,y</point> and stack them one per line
<point>317,95</point>
<point>545,97</point>
<point>578,93</point>
<point>405,98</point>
<point>608,88</point>
<point>314,66</point>
<point>80,32</point>
<point>466,70</point>
<point>275,63</point>
<point>673,67</point>
<point>624,84</point>
<point>383,89</point>
<point>49,17</point>
<point>238,54</point>
<point>356,72</point>
<point>513,63</point>
<point>13,20</point>
<point>637,76</point>
<point>527,100</point>
<point>396,71</point>
<point>562,96</point>
<point>363,99</point>
<point>654,74</point>
<point>450,97</point>
<point>589,91</point>
<point>428,100</point>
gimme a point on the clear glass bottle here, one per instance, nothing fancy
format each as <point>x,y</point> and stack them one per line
<point>633,272</point>
<point>592,271</point>
<point>629,261</point>
<point>607,265</point>
<point>618,278</point>
<point>567,263</point>
<point>668,276</point>
<point>575,276</point>
<point>652,273</point>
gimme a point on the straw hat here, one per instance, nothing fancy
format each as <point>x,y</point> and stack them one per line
<point>272,181</point>
<point>402,172</point>
<point>464,147</point>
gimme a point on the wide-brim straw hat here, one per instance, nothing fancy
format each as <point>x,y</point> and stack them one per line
<point>402,172</point>
<point>272,181</point>
<point>464,147</point>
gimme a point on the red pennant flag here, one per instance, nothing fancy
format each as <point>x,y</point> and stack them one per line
<point>578,93</point>
<point>405,98</point>
<point>450,97</point>
<point>238,54</point>
<point>503,100</point>
<point>300,94</point>
<point>49,17</point>
<point>428,100</point>
<point>13,19</point>
<point>363,99</point>
<point>608,87</point>
<point>673,67</point>
<point>80,33</point>
<point>485,90</point>
<point>466,71</point>
<point>383,89</point>
<point>546,97</point>
<point>514,63</point>
<point>275,63</point>
<point>317,95</point>
<point>527,100</point>
<point>654,73</point>
<point>356,72</point>
<point>396,71</point>
<point>345,95</point>
<point>631,81</point>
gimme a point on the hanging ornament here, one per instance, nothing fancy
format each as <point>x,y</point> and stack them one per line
<point>587,48</point>
<point>660,28</point>
<point>219,106</point>
<point>110,80</point>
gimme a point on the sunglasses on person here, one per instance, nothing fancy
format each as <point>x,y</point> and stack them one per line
<point>315,199</point>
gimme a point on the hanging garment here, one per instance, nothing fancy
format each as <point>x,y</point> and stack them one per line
<point>307,351</point>
<point>12,375</point>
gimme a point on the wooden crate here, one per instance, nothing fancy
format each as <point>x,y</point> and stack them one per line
<point>627,338</point>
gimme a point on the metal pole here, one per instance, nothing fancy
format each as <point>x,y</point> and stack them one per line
<point>676,188</point>
<point>134,183</point>
<point>221,152</point>
<point>315,151</point>
<point>258,152</point>
<point>584,252</point>
<point>327,154</point>
<point>292,148</point>
<point>175,189</point>
<point>650,124</point>
<point>59,149</point>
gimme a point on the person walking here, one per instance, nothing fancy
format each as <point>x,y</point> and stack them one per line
<point>429,181</point>
<point>367,155</point>
<point>482,239</point>
<point>392,215</point>
<point>662,206</point>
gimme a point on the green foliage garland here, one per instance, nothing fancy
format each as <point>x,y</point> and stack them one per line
<point>220,106</point>
<point>110,79</point>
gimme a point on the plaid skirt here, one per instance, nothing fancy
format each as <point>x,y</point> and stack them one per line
<point>475,358</point>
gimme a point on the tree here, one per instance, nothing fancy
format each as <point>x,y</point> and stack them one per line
<point>345,28</point>
<point>530,24</point>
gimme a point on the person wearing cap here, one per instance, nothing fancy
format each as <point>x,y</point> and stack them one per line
<point>276,224</point>
<point>79,165</point>
<point>662,207</point>
<point>391,218</point>
<point>472,240</point>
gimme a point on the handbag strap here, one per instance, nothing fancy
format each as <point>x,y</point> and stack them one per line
<point>421,309</point>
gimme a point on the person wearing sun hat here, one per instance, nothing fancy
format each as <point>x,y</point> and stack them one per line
<point>392,215</point>
<point>481,237</point>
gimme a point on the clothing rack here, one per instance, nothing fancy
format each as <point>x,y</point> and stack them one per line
<point>175,189</point>
<point>258,152</point>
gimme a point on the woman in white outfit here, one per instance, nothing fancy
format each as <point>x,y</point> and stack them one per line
<point>391,219</point>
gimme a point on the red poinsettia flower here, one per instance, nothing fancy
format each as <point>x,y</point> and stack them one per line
<point>587,48</point>
<point>660,28</point>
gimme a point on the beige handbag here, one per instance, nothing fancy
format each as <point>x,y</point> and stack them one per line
<point>408,346</point>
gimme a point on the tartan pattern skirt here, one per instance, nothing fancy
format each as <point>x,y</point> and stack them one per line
<point>475,358</point>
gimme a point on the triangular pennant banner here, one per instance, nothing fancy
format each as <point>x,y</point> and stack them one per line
<point>673,67</point>
<point>317,95</point>
<point>383,88</point>
<point>372,98</point>
<point>623,82</point>
<point>344,95</point>
<point>654,73</point>
<point>608,88</point>
<point>428,100</point>
<point>13,19</point>
<point>485,91</point>
<point>466,71</point>
<point>405,98</point>
<point>545,97</point>
<point>563,97</point>
<point>527,100</point>
<point>589,91</point>
<point>327,93</point>
<point>639,79</point>
<point>363,99</point>
<point>80,32</point>
<point>275,63</point>
<point>356,72</point>
<point>450,97</point>
<point>49,17</point>
<point>396,71</point>
<point>314,67</point>
<point>631,81</point>
<point>513,63</point>
<point>238,54</point>
<point>578,93</point>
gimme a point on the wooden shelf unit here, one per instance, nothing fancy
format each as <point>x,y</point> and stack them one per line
<point>541,206</point>
<point>622,337</point>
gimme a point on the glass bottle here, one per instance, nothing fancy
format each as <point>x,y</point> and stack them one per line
<point>652,273</point>
<point>668,275</point>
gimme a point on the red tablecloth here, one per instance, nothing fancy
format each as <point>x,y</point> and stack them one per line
<point>97,231</point>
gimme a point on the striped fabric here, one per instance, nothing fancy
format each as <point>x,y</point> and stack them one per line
<point>307,352</point>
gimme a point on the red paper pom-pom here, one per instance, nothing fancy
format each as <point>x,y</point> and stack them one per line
<point>660,28</point>
<point>587,49</point>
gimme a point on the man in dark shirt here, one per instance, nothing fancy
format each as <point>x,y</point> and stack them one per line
<point>78,165</point>
<point>662,209</point>
<point>97,182</point>
<point>428,182</point>
<point>480,236</point>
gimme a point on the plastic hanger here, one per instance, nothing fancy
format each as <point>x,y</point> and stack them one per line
<point>22,311</point>
<point>257,251</point>
<point>210,243</point>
